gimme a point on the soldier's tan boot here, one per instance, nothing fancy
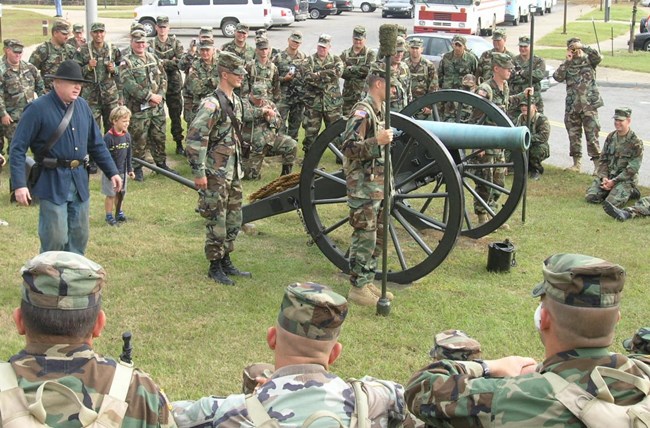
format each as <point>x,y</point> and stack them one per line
<point>482,218</point>
<point>362,296</point>
<point>596,162</point>
<point>577,164</point>
<point>377,291</point>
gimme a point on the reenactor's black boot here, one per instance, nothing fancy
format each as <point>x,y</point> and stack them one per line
<point>179,148</point>
<point>139,176</point>
<point>286,170</point>
<point>163,165</point>
<point>230,269</point>
<point>216,273</point>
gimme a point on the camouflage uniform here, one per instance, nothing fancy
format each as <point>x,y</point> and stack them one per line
<point>214,151</point>
<point>18,87</point>
<point>455,345</point>
<point>424,77</point>
<point>640,342</point>
<point>202,79</point>
<point>355,71</point>
<point>456,393</point>
<point>72,41</point>
<point>47,56</point>
<point>451,71</point>
<point>294,392</point>
<point>267,139</point>
<point>640,209</point>
<point>364,173</point>
<point>484,68</point>
<point>247,53</point>
<point>322,97</point>
<point>59,281</point>
<point>169,53</point>
<point>540,131</point>
<point>103,95</point>
<point>582,101</point>
<point>142,77</point>
<point>264,73</point>
<point>291,104</point>
<point>188,57</point>
<point>520,78</point>
<point>620,161</point>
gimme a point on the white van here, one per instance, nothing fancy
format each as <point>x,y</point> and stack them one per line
<point>224,14</point>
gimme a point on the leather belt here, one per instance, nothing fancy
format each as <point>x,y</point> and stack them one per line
<point>72,164</point>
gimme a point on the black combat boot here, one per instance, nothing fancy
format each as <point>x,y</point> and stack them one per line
<point>163,165</point>
<point>230,269</point>
<point>139,176</point>
<point>179,148</point>
<point>216,273</point>
<point>618,214</point>
<point>286,170</point>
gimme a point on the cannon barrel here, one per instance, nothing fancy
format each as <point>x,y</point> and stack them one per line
<point>466,136</point>
<point>177,178</point>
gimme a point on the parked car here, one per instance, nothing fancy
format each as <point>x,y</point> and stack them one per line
<point>517,11</point>
<point>319,9</point>
<point>300,8</point>
<point>224,14</point>
<point>545,6</point>
<point>281,17</point>
<point>642,42</point>
<point>435,45</point>
<point>643,24</point>
<point>343,6</point>
<point>398,8</point>
<point>368,5</point>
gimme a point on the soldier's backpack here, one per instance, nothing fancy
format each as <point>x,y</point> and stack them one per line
<point>261,418</point>
<point>601,411</point>
<point>16,413</point>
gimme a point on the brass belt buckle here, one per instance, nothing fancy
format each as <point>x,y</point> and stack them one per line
<point>74,163</point>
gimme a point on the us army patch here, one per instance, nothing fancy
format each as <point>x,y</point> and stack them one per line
<point>210,105</point>
<point>361,113</point>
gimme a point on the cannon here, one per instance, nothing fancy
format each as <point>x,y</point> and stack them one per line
<point>434,168</point>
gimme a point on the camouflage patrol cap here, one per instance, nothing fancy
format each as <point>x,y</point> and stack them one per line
<point>484,87</point>
<point>359,32</point>
<point>313,311</point>
<point>469,80</point>
<point>415,42</point>
<point>524,41</point>
<point>324,40</point>
<point>581,281</point>
<point>232,63</point>
<point>97,26</point>
<point>162,21</point>
<point>61,26</point>
<point>261,43</point>
<point>502,60</point>
<point>573,40</point>
<point>14,45</point>
<point>499,34</point>
<point>400,44</point>
<point>62,280</point>
<point>455,345</point>
<point>205,31</point>
<point>138,36</point>
<point>259,90</point>
<point>378,69</point>
<point>260,32</point>
<point>78,28</point>
<point>640,342</point>
<point>459,39</point>
<point>136,26</point>
<point>206,44</point>
<point>296,36</point>
<point>242,28</point>
<point>622,113</point>
<point>401,30</point>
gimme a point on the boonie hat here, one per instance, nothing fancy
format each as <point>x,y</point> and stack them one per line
<point>313,311</point>
<point>324,40</point>
<point>455,345</point>
<point>581,281</point>
<point>14,45</point>
<point>62,280</point>
<point>68,70</point>
<point>162,21</point>
<point>639,343</point>
<point>499,34</point>
<point>502,60</point>
<point>61,26</point>
<point>97,26</point>
<point>296,36</point>
<point>524,41</point>
<point>232,63</point>
<point>359,32</point>
<point>622,113</point>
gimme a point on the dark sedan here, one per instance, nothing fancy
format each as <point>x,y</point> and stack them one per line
<point>398,8</point>
<point>642,42</point>
<point>343,6</point>
<point>319,9</point>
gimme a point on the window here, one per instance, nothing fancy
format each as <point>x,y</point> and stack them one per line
<point>224,2</point>
<point>167,3</point>
<point>196,2</point>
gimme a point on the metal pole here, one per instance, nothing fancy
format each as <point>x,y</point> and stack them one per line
<point>383,305</point>
<point>595,34</point>
<point>630,43</point>
<point>566,6</point>
<point>528,102</point>
<point>91,15</point>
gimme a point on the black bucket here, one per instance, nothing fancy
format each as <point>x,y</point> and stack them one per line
<point>501,256</point>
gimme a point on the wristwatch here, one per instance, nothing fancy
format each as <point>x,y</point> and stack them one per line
<point>486,369</point>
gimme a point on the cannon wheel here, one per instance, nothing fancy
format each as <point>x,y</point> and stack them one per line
<point>426,210</point>
<point>465,161</point>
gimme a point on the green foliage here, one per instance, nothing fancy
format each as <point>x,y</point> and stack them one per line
<point>195,336</point>
<point>585,31</point>
<point>637,61</point>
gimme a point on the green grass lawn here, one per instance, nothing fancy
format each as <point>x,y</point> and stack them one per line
<point>637,61</point>
<point>195,336</point>
<point>617,12</point>
<point>24,25</point>
<point>585,31</point>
